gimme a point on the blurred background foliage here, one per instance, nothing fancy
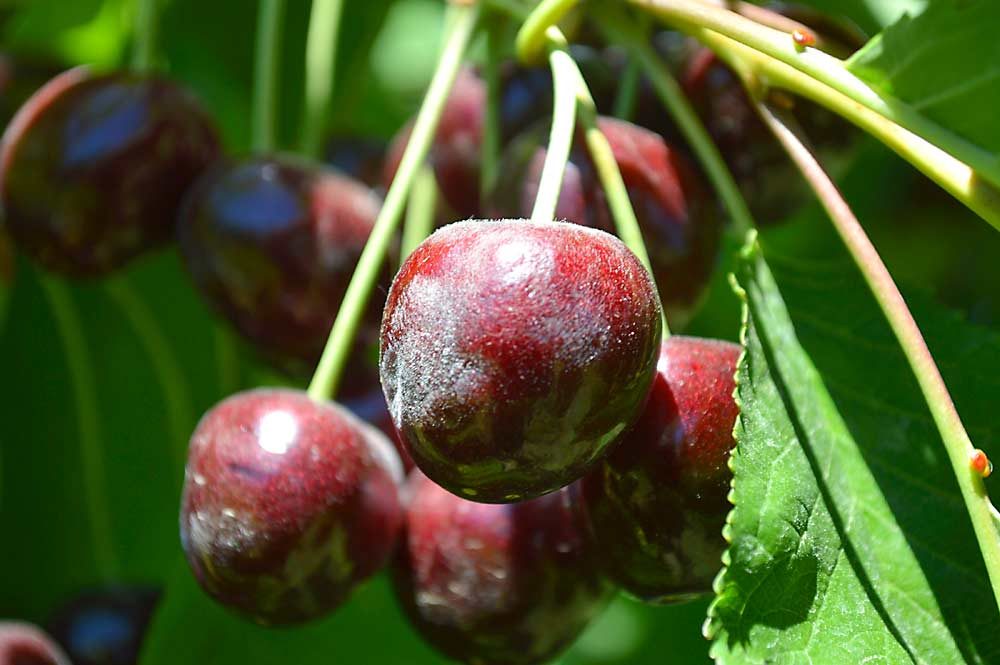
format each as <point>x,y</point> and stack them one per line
<point>103,381</point>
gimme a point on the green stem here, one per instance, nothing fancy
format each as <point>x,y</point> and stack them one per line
<point>533,37</point>
<point>566,89</point>
<point>144,36</point>
<point>952,174</point>
<point>942,408</point>
<point>671,96</point>
<point>265,91</point>
<point>828,70</point>
<point>180,413</point>
<point>491,119</point>
<point>227,360</point>
<point>419,212</point>
<point>321,57</point>
<point>84,385</point>
<point>338,347</point>
<point>627,90</point>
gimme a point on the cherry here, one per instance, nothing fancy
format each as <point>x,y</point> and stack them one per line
<point>105,626</point>
<point>455,152</point>
<point>496,584</point>
<point>26,644</point>
<point>679,223</point>
<point>288,505</point>
<point>359,157</point>
<point>372,409</point>
<point>657,503</point>
<point>93,167</point>
<point>514,353</point>
<point>272,242</point>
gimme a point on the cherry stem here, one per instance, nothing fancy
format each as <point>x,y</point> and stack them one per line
<point>491,117</point>
<point>227,360</point>
<point>967,171</point>
<point>321,58</point>
<point>565,90</point>
<point>176,396</point>
<point>419,211</point>
<point>144,35</point>
<point>533,39</point>
<point>618,30</point>
<point>338,348</point>
<point>265,90</point>
<point>625,101</point>
<point>942,408</point>
<point>84,386</point>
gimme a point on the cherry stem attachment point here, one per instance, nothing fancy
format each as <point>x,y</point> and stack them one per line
<point>144,35</point>
<point>321,58</point>
<point>911,340</point>
<point>533,38</point>
<point>338,348</point>
<point>267,58</point>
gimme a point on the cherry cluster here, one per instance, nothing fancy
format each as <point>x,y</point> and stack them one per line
<point>559,445</point>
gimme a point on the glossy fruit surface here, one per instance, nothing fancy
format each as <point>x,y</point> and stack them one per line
<point>657,503</point>
<point>93,168</point>
<point>25,644</point>
<point>288,505</point>
<point>679,223</point>
<point>496,584</point>
<point>272,243</point>
<point>515,353</point>
<point>105,626</point>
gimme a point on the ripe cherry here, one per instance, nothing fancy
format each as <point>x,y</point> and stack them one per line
<point>25,644</point>
<point>372,409</point>
<point>680,226</point>
<point>496,584</point>
<point>288,505</point>
<point>93,167</point>
<point>514,353</point>
<point>657,503</point>
<point>105,626</point>
<point>272,242</point>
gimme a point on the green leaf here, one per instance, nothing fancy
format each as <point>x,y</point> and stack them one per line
<point>945,63</point>
<point>849,540</point>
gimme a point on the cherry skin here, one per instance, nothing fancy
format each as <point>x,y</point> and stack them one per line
<point>93,168</point>
<point>105,626</point>
<point>495,584</point>
<point>288,505</point>
<point>657,503</point>
<point>25,644</point>
<point>272,243</point>
<point>372,409</point>
<point>515,353</point>
<point>679,223</point>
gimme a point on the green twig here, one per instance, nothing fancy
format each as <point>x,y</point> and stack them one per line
<point>625,100</point>
<point>226,360</point>
<point>669,91</point>
<point>980,167</point>
<point>533,37</point>
<point>265,91</point>
<point>328,372</point>
<point>942,408</point>
<point>144,35</point>
<point>566,89</point>
<point>321,57</point>
<point>84,386</point>
<point>419,212</point>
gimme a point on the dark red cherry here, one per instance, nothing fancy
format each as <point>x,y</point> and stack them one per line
<point>455,152</point>
<point>679,221</point>
<point>288,505</point>
<point>657,503</point>
<point>26,644</point>
<point>272,243</point>
<point>93,167</point>
<point>359,157</point>
<point>105,626</point>
<point>514,353</point>
<point>490,584</point>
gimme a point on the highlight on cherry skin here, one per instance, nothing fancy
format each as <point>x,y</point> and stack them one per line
<point>514,354</point>
<point>510,584</point>
<point>680,225</point>
<point>271,242</point>
<point>288,505</point>
<point>93,168</point>
<point>657,503</point>
<point>26,644</point>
